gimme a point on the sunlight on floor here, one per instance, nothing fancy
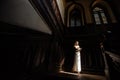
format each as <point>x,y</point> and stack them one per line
<point>69,73</point>
<point>82,76</point>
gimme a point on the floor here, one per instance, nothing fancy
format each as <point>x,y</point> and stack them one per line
<point>62,75</point>
<point>77,76</point>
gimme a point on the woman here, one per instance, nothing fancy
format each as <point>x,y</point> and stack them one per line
<point>77,59</point>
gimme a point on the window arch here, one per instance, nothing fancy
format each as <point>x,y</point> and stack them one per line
<point>99,16</point>
<point>75,18</point>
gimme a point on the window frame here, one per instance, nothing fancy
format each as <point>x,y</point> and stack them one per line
<point>75,17</point>
<point>103,19</point>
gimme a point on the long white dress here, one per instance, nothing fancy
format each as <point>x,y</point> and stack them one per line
<point>77,62</point>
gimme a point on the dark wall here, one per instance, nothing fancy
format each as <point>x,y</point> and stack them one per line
<point>24,50</point>
<point>115,8</point>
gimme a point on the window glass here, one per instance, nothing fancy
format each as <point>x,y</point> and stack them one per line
<point>75,19</point>
<point>99,16</point>
<point>78,23</point>
<point>97,19</point>
<point>104,18</point>
<point>72,22</point>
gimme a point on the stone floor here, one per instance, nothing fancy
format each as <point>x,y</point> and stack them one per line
<point>62,75</point>
<point>77,76</point>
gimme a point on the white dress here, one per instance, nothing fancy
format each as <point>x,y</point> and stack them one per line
<point>77,62</point>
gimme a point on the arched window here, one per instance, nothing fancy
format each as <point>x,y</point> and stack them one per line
<point>99,16</point>
<point>75,18</point>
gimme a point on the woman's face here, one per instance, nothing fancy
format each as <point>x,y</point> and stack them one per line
<point>77,42</point>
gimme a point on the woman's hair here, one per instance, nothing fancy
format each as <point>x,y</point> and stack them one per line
<point>76,43</point>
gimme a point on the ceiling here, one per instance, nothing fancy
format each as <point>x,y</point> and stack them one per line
<point>22,13</point>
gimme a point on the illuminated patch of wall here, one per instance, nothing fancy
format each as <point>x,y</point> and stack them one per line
<point>61,8</point>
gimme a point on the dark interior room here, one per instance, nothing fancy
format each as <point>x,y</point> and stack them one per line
<point>60,39</point>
